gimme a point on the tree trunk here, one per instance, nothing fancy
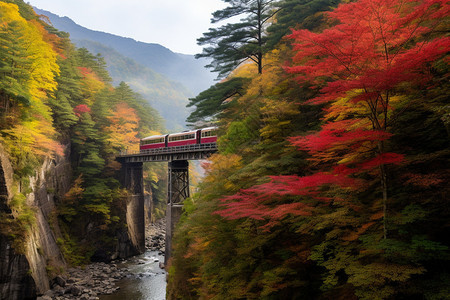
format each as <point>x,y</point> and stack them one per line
<point>384,189</point>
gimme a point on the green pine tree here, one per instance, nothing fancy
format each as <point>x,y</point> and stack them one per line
<point>235,43</point>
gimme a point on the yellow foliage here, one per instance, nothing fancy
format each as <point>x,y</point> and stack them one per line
<point>30,137</point>
<point>33,135</point>
<point>220,168</point>
<point>43,67</point>
<point>247,70</point>
<point>92,84</point>
<point>269,82</point>
<point>123,128</point>
<point>342,108</point>
<point>10,12</point>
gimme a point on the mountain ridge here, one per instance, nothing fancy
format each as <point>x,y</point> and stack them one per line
<point>165,78</point>
<point>168,97</point>
<point>183,68</point>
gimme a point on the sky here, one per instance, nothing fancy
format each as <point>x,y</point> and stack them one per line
<point>175,24</point>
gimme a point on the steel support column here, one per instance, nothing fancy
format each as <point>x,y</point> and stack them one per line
<point>177,191</point>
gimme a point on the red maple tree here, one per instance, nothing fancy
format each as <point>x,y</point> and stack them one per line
<point>362,67</point>
<point>81,109</point>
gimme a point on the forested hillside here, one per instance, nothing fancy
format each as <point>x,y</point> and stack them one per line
<point>175,66</point>
<point>169,98</point>
<point>164,78</point>
<point>332,177</point>
<point>175,77</point>
<point>56,101</point>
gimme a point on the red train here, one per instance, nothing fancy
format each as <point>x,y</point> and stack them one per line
<point>192,137</point>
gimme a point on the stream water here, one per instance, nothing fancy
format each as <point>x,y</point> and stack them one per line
<point>148,281</point>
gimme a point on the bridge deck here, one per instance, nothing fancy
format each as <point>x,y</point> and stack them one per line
<point>188,152</point>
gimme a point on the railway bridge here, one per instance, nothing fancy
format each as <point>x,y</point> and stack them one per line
<point>131,177</point>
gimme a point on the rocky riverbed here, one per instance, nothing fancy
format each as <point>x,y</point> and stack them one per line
<point>88,282</point>
<point>156,236</point>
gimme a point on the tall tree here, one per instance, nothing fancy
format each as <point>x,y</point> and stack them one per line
<point>123,128</point>
<point>94,62</point>
<point>235,43</point>
<point>370,56</point>
<point>212,102</point>
<point>367,69</point>
<point>14,66</point>
<point>28,68</point>
<point>378,48</point>
<point>296,14</point>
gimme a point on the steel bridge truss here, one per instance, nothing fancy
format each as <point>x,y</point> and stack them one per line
<point>178,182</point>
<point>188,152</point>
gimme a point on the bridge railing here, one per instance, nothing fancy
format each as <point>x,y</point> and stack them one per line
<point>172,150</point>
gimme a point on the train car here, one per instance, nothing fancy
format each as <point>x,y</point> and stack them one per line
<point>208,135</point>
<point>153,142</point>
<point>182,138</point>
<point>190,137</point>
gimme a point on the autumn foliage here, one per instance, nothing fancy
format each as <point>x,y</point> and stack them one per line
<point>57,105</point>
<point>343,146</point>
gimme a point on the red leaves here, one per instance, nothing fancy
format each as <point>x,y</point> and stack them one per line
<point>377,46</point>
<point>85,71</point>
<point>370,48</point>
<point>328,138</point>
<point>382,159</point>
<point>265,202</point>
<point>80,109</point>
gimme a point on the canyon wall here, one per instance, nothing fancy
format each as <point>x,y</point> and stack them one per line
<point>29,263</point>
<point>27,271</point>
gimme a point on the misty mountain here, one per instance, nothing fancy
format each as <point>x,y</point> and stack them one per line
<point>169,98</point>
<point>179,67</point>
<point>165,78</point>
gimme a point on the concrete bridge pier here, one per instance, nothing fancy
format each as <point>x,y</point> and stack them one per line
<point>132,180</point>
<point>177,191</point>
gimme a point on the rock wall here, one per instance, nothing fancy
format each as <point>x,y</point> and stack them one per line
<point>22,276</point>
<point>25,275</point>
<point>51,182</point>
<point>6,181</point>
<point>16,281</point>
<point>132,241</point>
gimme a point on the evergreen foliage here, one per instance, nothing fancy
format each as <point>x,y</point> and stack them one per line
<point>211,103</point>
<point>235,43</point>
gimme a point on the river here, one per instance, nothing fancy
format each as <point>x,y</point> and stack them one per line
<point>148,281</point>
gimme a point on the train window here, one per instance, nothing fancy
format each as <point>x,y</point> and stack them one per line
<point>182,137</point>
<point>209,133</point>
<point>154,141</point>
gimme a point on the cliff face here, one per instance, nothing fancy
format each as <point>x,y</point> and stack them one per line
<point>23,275</point>
<point>43,254</point>
<point>16,281</point>
<point>28,273</point>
